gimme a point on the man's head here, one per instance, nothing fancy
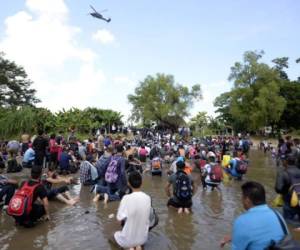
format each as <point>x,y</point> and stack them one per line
<point>119,148</point>
<point>291,158</point>
<point>180,165</point>
<point>253,194</point>
<point>135,180</point>
<point>40,131</point>
<point>36,172</point>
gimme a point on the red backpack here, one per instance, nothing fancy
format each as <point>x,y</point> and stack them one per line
<point>216,173</point>
<point>21,203</point>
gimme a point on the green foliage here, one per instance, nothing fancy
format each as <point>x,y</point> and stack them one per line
<point>291,115</point>
<point>158,99</point>
<point>27,119</point>
<point>14,85</point>
<point>199,122</point>
<point>255,100</point>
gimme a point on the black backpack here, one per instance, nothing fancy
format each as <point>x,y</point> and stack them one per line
<point>13,166</point>
<point>183,187</point>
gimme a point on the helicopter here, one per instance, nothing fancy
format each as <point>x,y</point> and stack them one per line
<point>98,15</point>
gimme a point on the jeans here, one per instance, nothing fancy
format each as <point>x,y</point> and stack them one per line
<point>113,195</point>
<point>7,191</point>
<point>289,212</point>
<point>36,213</point>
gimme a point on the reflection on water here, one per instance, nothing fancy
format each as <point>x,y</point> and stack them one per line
<point>87,226</point>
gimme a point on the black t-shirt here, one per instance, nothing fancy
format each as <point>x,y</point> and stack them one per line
<point>40,191</point>
<point>40,144</point>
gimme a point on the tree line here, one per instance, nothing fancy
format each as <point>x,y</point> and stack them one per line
<point>262,95</point>
<point>19,114</point>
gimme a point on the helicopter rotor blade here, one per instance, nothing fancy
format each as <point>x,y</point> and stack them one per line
<point>93,8</point>
<point>103,10</point>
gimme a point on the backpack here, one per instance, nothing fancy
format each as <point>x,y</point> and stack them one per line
<point>111,174</point>
<point>216,173</point>
<point>294,191</point>
<point>241,167</point>
<point>156,164</point>
<point>13,166</point>
<point>21,203</point>
<point>183,188</point>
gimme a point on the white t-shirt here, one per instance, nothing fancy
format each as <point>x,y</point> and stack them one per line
<point>135,208</point>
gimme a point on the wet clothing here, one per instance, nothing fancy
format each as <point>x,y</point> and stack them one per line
<point>88,173</point>
<point>7,190</point>
<point>232,168</point>
<point>135,210</point>
<point>102,164</point>
<point>38,210</point>
<point>255,229</point>
<point>174,201</point>
<point>53,192</point>
<point>64,161</point>
<point>282,186</point>
<point>283,181</point>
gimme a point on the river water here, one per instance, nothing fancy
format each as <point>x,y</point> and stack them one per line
<point>87,226</point>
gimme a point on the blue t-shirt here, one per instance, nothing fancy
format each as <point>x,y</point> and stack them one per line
<point>233,164</point>
<point>29,155</point>
<point>256,228</point>
<point>64,161</point>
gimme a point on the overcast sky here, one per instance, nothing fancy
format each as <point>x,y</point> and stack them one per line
<point>78,61</point>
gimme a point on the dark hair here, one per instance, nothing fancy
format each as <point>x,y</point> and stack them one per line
<point>180,164</point>
<point>52,136</point>
<point>36,172</point>
<point>255,192</point>
<point>119,148</point>
<point>130,157</point>
<point>51,168</point>
<point>135,179</point>
<point>40,131</point>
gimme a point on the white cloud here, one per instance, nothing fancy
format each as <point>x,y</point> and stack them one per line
<point>104,36</point>
<point>65,73</point>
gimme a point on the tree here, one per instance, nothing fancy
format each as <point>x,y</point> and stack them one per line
<point>15,88</point>
<point>281,63</point>
<point>291,93</point>
<point>199,122</point>
<point>256,101</point>
<point>158,99</point>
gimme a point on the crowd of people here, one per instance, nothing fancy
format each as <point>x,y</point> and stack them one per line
<point>113,167</point>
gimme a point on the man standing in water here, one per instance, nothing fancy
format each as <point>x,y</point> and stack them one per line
<point>134,214</point>
<point>183,189</point>
<point>259,225</point>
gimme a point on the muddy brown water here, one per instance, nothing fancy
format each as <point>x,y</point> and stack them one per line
<point>87,226</point>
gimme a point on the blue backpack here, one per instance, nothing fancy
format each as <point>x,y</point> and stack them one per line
<point>111,174</point>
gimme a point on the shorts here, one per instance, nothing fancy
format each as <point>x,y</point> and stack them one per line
<point>52,193</point>
<point>174,202</point>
